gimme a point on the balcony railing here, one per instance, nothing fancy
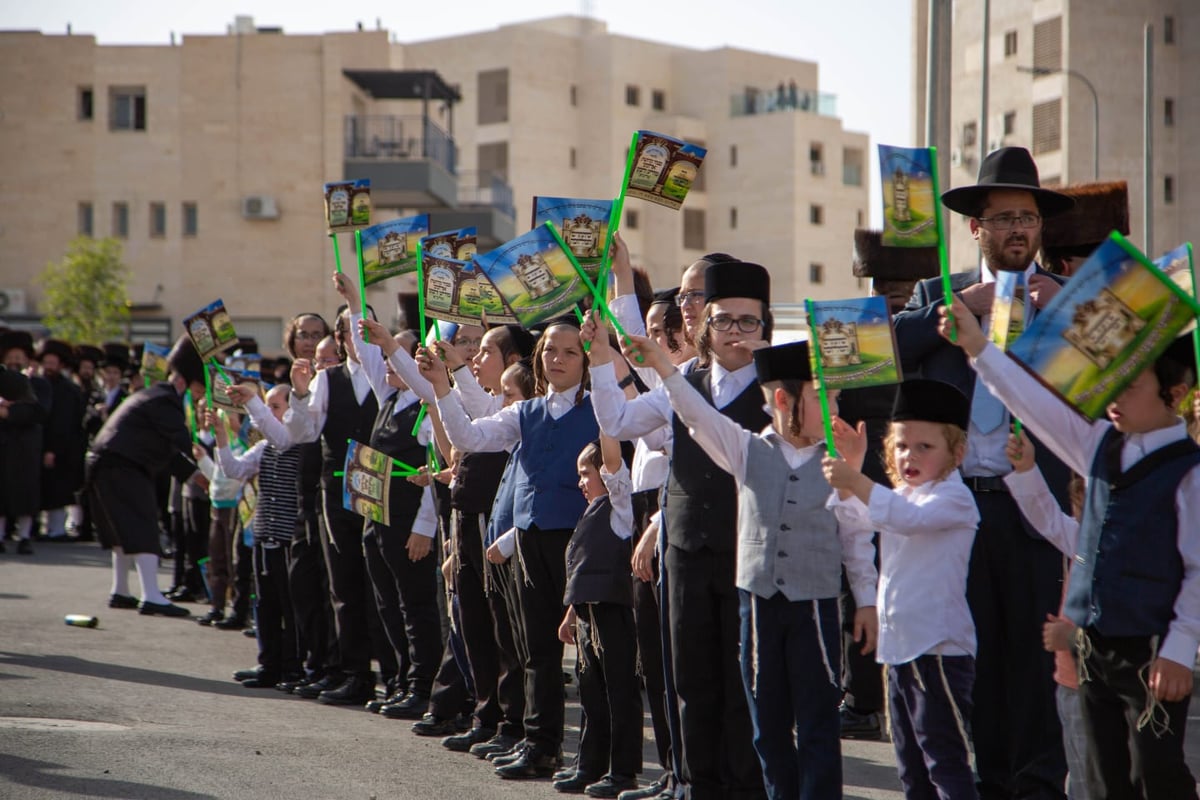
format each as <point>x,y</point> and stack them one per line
<point>400,138</point>
<point>753,101</point>
<point>485,188</point>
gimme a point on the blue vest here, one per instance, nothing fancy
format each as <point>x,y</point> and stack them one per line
<point>1128,570</point>
<point>501,518</point>
<point>547,483</point>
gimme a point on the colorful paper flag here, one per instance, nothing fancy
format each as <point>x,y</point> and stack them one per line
<point>910,197</point>
<point>1008,308</point>
<point>664,169</point>
<point>221,379</point>
<point>855,342</point>
<point>366,482</point>
<point>347,205</point>
<point>390,248</point>
<point>154,362</point>
<point>583,224</point>
<point>536,275</point>
<point>211,330</point>
<point>1116,315</point>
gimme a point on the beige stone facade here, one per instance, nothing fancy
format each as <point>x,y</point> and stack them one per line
<point>264,115</point>
<point>1052,114</point>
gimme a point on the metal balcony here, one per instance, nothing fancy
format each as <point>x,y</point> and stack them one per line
<point>410,161</point>
<point>753,100</point>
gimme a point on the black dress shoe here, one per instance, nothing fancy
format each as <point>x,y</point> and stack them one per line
<point>290,684</point>
<point>504,759</point>
<point>247,674</point>
<point>611,786</point>
<point>531,764</point>
<point>263,681</point>
<point>355,690</point>
<point>185,595</point>
<point>463,742</point>
<point>498,744</point>
<point>376,705</point>
<point>162,609</point>
<point>859,726</point>
<point>429,725</point>
<point>411,706</point>
<point>213,615</point>
<point>24,548</point>
<point>122,601</point>
<point>311,691</point>
<point>648,792</point>
<point>234,622</point>
<point>573,783</point>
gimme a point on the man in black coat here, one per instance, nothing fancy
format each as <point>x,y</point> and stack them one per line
<point>1015,575</point>
<point>146,436</point>
<point>21,439</point>
<point>64,442</point>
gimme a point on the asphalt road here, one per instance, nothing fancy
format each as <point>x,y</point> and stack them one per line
<point>145,707</point>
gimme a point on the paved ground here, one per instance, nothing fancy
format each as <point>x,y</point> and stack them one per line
<point>144,707</point>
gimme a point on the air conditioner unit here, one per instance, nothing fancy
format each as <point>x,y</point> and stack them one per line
<point>12,301</point>
<point>259,206</point>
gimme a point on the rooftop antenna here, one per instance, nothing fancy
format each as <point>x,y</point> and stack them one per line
<point>586,8</point>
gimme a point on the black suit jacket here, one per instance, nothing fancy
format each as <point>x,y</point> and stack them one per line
<point>924,353</point>
<point>149,429</point>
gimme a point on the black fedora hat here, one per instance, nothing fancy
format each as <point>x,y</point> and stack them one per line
<point>1006,168</point>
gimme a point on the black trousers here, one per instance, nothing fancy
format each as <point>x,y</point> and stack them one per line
<point>348,582</point>
<point>929,700</point>
<point>862,678</point>
<point>278,642</point>
<point>611,742</point>
<point>406,595</point>
<point>1125,763</point>
<point>497,676</point>
<point>197,517</point>
<point>541,578</point>
<point>502,596</point>
<point>650,657</point>
<point>243,581</point>
<point>718,755</point>
<point>308,585</point>
<point>451,695</point>
<point>1013,582</point>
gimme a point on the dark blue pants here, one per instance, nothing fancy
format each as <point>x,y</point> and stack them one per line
<point>791,667</point>
<point>930,704</point>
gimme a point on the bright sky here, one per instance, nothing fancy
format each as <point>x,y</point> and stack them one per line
<point>861,46</point>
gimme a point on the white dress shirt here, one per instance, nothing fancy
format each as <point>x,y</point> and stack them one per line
<point>620,494</point>
<point>1075,441</point>
<point>499,431</point>
<point>1041,510</point>
<point>305,418</point>
<point>477,401</point>
<point>925,538</point>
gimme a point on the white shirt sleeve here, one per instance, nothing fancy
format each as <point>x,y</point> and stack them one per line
<point>410,373</point>
<point>305,418</point>
<point>370,360</point>
<point>620,417</point>
<point>207,467</point>
<point>261,418</point>
<point>243,467</point>
<point>947,507</point>
<point>476,400</point>
<point>858,556</point>
<point>1183,634</point>
<point>1039,507</point>
<point>426,522</point>
<point>507,542</point>
<point>620,492</point>
<point>500,431</point>
<point>724,440</point>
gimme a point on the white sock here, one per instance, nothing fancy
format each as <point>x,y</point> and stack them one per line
<point>24,527</point>
<point>120,569</point>
<point>147,570</point>
<point>56,522</point>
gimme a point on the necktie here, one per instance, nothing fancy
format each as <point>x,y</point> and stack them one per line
<point>987,413</point>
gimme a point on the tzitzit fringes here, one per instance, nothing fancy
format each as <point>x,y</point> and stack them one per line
<point>754,645</point>
<point>917,676</point>
<point>958,717</point>
<point>521,560</point>
<point>1083,651</point>
<point>1153,715</point>
<point>594,633</point>
<point>816,604</point>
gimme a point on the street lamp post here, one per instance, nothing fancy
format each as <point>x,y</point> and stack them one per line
<point>1095,108</point>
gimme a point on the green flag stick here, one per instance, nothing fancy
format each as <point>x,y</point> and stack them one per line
<point>943,258</point>
<point>614,218</point>
<point>1195,289</point>
<point>396,474</point>
<point>437,336</point>
<point>421,290</point>
<point>207,386</point>
<point>434,464</point>
<point>362,279</point>
<point>411,470</point>
<point>337,252</point>
<point>814,350</point>
<point>420,418</point>
<point>189,414</point>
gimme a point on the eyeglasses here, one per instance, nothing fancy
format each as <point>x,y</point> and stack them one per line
<point>724,322</point>
<point>1005,222</point>
<point>309,336</point>
<point>687,298</point>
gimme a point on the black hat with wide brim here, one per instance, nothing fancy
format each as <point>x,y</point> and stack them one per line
<point>1007,168</point>
<point>736,279</point>
<point>924,400</point>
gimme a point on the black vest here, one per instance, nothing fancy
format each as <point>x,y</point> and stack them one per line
<point>701,498</point>
<point>308,478</point>
<point>393,435</point>
<point>598,560</point>
<point>478,479</point>
<point>345,419</point>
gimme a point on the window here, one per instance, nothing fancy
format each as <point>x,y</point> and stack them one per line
<point>631,220</point>
<point>1169,112</point>
<point>1047,44</point>
<point>633,96</point>
<point>816,158</point>
<point>1010,44</point>
<point>1047,126</point>
<point>733,217</point>
<point>493,158</point>
<point>127,108</point>
<point>86,103</point>
<point>858,218</point>
<point>158,220</point>
<point>852,166</point>
<point>1168,30</point>
<point>733,155</point>
<point>1169,189</point>
<point>970,132</point>
<point>1010,123</point>
<point>816,273</point>
<point>493,96</point>
<point>574,95</point>
<point>693,229</point>
<point>572,158</point>
<point>120,220</point>
<point>85,217</point>
<point>658,100</point>
<point>816,214</point>
<point>190,219</point>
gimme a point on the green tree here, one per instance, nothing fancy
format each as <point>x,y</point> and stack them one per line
<point>86,300</point>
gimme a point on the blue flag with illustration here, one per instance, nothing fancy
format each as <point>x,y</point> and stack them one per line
<point>910,196</point>
<point>390,248</point>
<point>855,342</point>
<point>537,276</point>
<point>583,224</point>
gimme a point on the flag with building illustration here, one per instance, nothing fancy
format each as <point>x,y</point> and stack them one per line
<point>221,380</point>
<point>854,341</point>
<point>583,225</point>
<point>390,248</point>
<point>211,330</point>
<point>536,275</point>
<point>1115,316</point>
<point>661,169</point>
<point>910,196</point>
<point>347,205</point>
<point>366,482</point>
<point>1179,266</point>
<point>1008,308</point>
<point>154,362</point>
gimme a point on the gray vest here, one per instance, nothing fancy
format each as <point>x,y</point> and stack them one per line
<point>787,540</point>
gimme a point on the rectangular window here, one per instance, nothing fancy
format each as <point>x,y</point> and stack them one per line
<point>816,214</point>
<point>1047,44</point>
<point>1168,30</point>
<point>1169,189</point>
<point>1010,44</point>
<point>816,273</point>
<point>1010,123</point>
<point>633,96</point>
<point>120,220</point>
<point>1047,126</point>
<point>493,158</point>
<point>493,96</point>
<point>191,220</point>
<point>127,108</point>
<point>574,95</point>
<point>85,219</point>
<point>693,229</point>
<point>970,132</point>
<point>158,220</point>
<point>816,158</point>
<point>733,217</point>
<point>572,158</point>
<point>853,161</point>
<point>658,100</point>
<point>631,220</point>
<point>733,155</point>
<point>86,103</point>
<point>1169,112</point>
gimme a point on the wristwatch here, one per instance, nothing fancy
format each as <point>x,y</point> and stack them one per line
<point>626,381</point>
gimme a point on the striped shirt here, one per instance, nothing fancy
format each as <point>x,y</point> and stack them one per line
<point>275,514</point>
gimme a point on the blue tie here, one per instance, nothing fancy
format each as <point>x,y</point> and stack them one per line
<point>987,413</point>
